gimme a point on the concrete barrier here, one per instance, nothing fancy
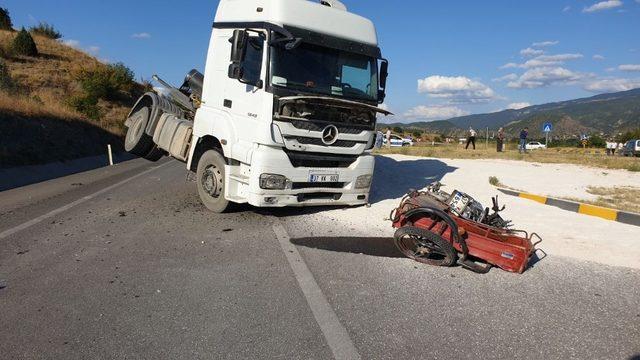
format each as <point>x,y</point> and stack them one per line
<point>586,209</point>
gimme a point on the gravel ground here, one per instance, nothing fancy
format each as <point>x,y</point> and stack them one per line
<point>565,233</point>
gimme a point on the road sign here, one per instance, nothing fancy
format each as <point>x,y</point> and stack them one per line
<point>547,127</point>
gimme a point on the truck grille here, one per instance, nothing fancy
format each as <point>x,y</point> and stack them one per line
<point>319,160</point>
<point>318,142</point>
<point>314,126</point>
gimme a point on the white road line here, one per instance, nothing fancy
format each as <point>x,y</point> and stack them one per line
<point>334,332</point>
<point>64,208</point>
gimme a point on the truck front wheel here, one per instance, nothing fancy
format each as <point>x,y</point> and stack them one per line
<point>210,180</point>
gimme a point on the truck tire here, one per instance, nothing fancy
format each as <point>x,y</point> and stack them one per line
<point>210,181</point>
<point>155,154</point>
<point>137,142</point>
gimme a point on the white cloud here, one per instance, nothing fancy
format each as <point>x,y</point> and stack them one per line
<point>544,61</point>
<point>457,89</point>
<point>508,77</point>
<point>566,8</point>
<point>610,69</point>
<point>72,43</point>
<point>603,5</point>
<point>509,66</point>
<point>93,49</point>
<point>531,52</point>
<point>518,105</point>
<point>598,57</point>
<point>546,76</point>
<point>629,67</point>
<point>612,85</point>
<point>545,43</point>
<point>435,112</point>
<point>142,35</point>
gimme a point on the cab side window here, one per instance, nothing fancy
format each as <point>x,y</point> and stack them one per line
<point>252,65</point>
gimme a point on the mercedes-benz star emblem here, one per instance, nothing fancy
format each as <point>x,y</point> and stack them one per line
<point>330,135</point>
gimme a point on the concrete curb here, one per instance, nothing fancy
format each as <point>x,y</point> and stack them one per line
<point>586,209</point>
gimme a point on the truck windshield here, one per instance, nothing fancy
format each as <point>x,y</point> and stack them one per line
<point>325,71</point>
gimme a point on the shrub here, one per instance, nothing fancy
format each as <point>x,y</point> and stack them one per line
<point>597,141</point>
<point>6,83</point>
<point>494,181</point>
<point>107,82</point>
<point>86,105</point>
<point>398,130</point>
<point>46,30</point>
<point>5,20</point>
<point>23,44</point>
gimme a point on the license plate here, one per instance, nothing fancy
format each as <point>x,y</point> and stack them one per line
<point>320,178</point>
<point>459,202</point>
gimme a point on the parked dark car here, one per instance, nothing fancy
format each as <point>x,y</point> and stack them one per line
<point>631,148</point>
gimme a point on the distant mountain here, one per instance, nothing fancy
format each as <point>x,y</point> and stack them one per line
<point>606,113</point>
<point>439,126</point>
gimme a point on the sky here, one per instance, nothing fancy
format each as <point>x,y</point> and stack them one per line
<point>447,58</point>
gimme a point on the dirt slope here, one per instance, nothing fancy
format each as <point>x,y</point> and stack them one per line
<point>37,124</point>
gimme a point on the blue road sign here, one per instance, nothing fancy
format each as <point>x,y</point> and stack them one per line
<point>547,127</point>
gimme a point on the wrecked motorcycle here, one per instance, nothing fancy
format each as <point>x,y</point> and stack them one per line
<point>439,228</point>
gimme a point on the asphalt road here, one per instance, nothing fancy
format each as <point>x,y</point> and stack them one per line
<point>124,262</point>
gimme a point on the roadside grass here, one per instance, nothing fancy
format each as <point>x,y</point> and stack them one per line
<point>586,157</point>
<point>44,84</point>
<point>495,181</point>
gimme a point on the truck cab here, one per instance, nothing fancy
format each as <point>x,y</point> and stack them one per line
<point>287,108</point>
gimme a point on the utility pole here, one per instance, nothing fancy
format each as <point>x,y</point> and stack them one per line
<point>546,140</point>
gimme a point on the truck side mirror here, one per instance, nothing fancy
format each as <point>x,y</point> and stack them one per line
<point>238,45</point>
<point>384,72</point>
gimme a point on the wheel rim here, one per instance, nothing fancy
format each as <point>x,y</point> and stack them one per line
<point>212,181</point>
<point>422,249</point>
<point>135,128</point>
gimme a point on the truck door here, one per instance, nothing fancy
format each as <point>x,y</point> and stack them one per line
<point>244,98</point>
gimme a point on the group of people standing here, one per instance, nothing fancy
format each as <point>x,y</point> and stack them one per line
<point>612,146</point>
<point>524,134</point>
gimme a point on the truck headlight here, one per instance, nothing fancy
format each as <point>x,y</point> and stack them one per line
<point>363,181</point>
<point>273,182</point>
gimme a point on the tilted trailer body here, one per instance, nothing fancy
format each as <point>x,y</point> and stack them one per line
<point>285,112</point>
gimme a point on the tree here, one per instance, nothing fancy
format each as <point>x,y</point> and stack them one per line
<point>46,30</point>
<point>417,133</point>
<point>5,20</point>
<point>23,44</point>
<point>107,82</point>
<point>398,130</point>
<point>630,135</point>
<point>597,141</point>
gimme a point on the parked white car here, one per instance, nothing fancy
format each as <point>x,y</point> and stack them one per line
<point>397,141</point>
<point>533,145</point>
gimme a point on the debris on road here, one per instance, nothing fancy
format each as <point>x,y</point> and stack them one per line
<point>438,228</point>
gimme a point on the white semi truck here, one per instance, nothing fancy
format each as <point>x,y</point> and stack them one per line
<point>284,114</point>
